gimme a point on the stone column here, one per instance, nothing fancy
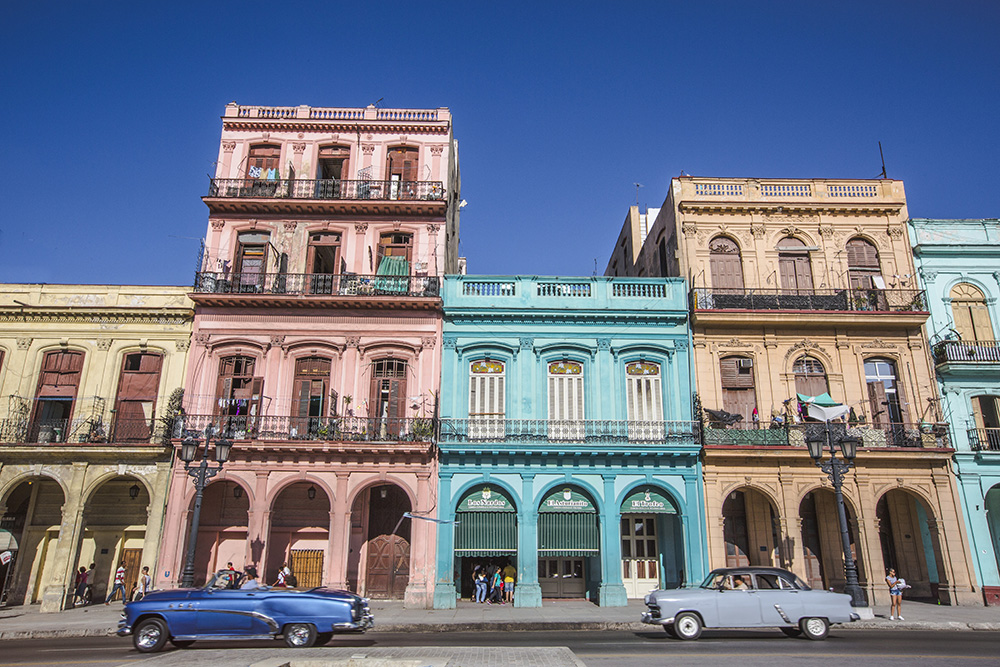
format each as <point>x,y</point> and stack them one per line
<point>527,592</point>
<point>694,530</point>
<point>258,524</point>
<point>612,590</point>
<point>445,593</point>
<point>159,482</point>
<point>416,596</point>
<point>948,535</point>
<point>55,592</point>
<point>340,531</point>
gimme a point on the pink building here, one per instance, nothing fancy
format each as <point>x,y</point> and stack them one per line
<point>316,347</point>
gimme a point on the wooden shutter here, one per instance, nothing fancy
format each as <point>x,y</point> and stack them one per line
<point>301,402</point>
<point>786,269</point>
<point>264,156</point>
<point>397,398</point>
<point>878,403</point>
<point>735,375</point>
<point>566,397</point>
<point>486,396</point>
<point>60,375</point>
<point>861,254</point>
<point>982,328</point>
<point>725,264</point>
<point>644,397</point>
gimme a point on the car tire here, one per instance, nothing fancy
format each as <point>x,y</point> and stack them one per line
<point>815,628</point>
<point>181,643</point>
<point>150,635</point>
<point>669,629</point>
<point>791,632</point>
<point>687,626</point>
<point>299,635</point>
<point>323,638</point>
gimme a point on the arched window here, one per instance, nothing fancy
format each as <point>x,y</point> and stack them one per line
<point>793,265</point>
<point>487,399</point>
<point>58,383</point>
<point>566,400</point>
<point>972,317</point>
<point>739,392</point>
<point>810,376</point>
<point>863,269</point>
<point>135,406</point>
<point>725,264</point>
<point>239,391</point>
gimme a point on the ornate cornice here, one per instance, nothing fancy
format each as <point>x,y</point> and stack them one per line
<point>167,317</point>
<point>286,125</point>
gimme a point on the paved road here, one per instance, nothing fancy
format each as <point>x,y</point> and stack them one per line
<point>593,649</point>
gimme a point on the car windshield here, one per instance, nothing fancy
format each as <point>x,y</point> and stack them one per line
<point>713,580</point>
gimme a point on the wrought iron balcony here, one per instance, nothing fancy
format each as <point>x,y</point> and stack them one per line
<point>971,352</point>
<point>329,429</point>
<point>596,431</point>
<point>82,430</point>
<point>305,188</point>
<point>984,439</point>
<point>315,284</point>
<point>744,434</point>
<point>857,300</point>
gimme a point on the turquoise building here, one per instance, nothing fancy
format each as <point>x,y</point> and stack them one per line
<point>567,446</point>
<point>959,263</point>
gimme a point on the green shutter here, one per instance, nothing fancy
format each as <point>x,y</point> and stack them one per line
<point>485,533</point>
<point>567,534</point>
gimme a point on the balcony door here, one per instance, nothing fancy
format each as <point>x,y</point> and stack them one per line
<point>644,398</point>
<point>486,400</point>
<point>239,394</point>
<point>725,264</point>
<point>135,406</point>
<point>863,268</point>
<point>58,383</point>
<point>323,262</point>
<point>251,261</point>
<point>810,377</point>
<point>986,412</point>
<point>794,266</point>
<point>387,400</point>
<point>739,391</point>
<point>566,401</point>
<point>403,172</point>
<point>331,170</point>
<point>310,401</point>
<point>884,392</point>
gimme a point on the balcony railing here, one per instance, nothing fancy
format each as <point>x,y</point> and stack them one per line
<point>595,431</point>
<point>870,435</point>
<point>972,352</point>
<point>984,439</point>
<point>329,429</point>
<point>868,300</point>
<point>315,284</point>
<point>306,188</point>
<point>82,430</point>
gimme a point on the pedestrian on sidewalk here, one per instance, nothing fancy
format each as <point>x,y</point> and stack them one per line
<point>88,594</point>
<point>481,585</point>
<point>119,585</point>
<point>509,575</point>
<point>80,586</point>
<point>143,585</point>
<point>496,587</point>
<point>895,595</point>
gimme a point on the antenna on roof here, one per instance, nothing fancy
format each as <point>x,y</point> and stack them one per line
<point>637,186</point>
<point>883,174</point>
<point>375,103</point>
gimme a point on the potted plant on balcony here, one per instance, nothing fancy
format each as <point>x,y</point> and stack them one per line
<point>423,428</point>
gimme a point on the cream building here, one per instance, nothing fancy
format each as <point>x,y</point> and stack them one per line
<point>806,287</point>
<point>86,375</point>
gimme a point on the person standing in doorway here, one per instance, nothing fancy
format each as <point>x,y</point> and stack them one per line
<point>895,596</point>
<point>88,594</point>
<point>119,585</point>
<point>481,586</point>
<point>509,575</point>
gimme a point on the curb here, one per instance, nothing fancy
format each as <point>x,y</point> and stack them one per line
<point>541,626</point>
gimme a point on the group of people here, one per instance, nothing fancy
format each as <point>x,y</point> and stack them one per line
<point>493,584</point>
<point>251,579</point>
<point>83,587</point>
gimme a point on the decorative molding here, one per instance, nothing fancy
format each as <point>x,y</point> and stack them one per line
<point>276,340</point>
<point>931,276</point>
<point>788,217</point>
<point>603,343</point>
<point>735,342</point>
<point>804,344</point>
<point>680,344</point>
<point>367,149</point>
<point>758,231</point>
<point>23,343</point>
<point>217,225</point>
<point>526,343</point>
<point>432,228</point>
<point>104,344</point>
<point>437,150</point>
<point>182,344</point>
<point>361,227</point>
<point>354,341</point>
<point>203,339</point>
<point>428,342</point>
<point>298,148</point>
<point>826,231</point>
<point>878,343</point>
<point>290,226</point>
<point>449,342</point>
<point>228,146</point>
<point>689,229</point>
<point>894,232</point>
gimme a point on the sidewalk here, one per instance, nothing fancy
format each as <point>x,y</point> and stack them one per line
<point>27,622</point>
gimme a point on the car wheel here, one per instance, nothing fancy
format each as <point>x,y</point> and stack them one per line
<point>323,638</point>
<point>150,635</point>
<point>669,629</point>
<point>181,643</point>
<point>687,626</point>
<point>299,635</point>
<point>791,632</point>
<point>815,628</point>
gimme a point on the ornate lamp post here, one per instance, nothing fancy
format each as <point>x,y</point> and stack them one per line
<point>201,474</point>
<point>835,470</point>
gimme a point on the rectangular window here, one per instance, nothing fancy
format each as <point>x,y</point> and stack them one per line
<point>644,401</point>
<point>486,400</point>
<point>566,401</point>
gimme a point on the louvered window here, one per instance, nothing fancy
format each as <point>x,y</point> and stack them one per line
<point>486,400</point>
<point>863,269</point>
<point>644,399</point>
<point>739,394</point>
<point>793,266</point>
<point>725,264</point>
<point>810,377</point>
<point>566,404</point>
<point>969,310</point>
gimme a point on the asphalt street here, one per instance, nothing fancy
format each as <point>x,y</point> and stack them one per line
<point>593,649</point>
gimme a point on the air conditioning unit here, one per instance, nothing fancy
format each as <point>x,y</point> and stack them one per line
<point>745,363</point>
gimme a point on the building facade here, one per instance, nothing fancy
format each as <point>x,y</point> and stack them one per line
<point>87,374</point>
<point>806,288</point>
<point>316,347</point>
<point>959,263</point>
<point>566,444</point>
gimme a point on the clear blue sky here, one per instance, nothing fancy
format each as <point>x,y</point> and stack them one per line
<point>110,112</point>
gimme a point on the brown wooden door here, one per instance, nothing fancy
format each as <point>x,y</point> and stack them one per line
<point>138,386</point>
<point>403,172</point>
<point>725,265</point>
<point>133,565</point>
<point>739,394</point>
<point>307,567</point>
<point>388,562</point>
<point>56,393</point>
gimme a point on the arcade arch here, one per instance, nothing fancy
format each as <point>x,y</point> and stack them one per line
<point>378,563</point>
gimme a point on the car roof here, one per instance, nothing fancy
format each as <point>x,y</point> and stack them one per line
<point>753,569</point>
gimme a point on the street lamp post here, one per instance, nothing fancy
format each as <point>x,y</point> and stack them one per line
<point>835,470</point>
<point>201,474</point>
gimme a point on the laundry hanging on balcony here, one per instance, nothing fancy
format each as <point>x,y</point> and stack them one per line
<point>393,266</point>
<point>823,407</point>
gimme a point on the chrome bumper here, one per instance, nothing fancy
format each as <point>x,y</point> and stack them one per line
<point>366,622</point>
<point>648,617</point>
<point>124,629</point>
<point>855,617</point>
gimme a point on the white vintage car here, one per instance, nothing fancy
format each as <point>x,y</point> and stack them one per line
<point>748,597</point>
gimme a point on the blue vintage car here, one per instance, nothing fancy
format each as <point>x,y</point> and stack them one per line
<point>222,610</point>
<point>749,597</point>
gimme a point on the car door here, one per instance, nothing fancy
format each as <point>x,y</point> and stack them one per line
<point>225,612</point>
<point>738,607</point>
<point>780,603</point>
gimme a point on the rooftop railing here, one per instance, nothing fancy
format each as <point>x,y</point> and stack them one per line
<point>306,112</point>
<point>798,190</point>
<point>80,430</point>
<point>971,352</point>
<point>984,439</point>
<point>328,429</point>
<point>858,300</point>
<point>328,189</point>
<point>596,431</point>
<point>315,284</point>
<point>749,434</point>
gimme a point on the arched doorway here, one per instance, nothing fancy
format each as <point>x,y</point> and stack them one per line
<point>651,542</point>
<point>30,529</point>
<point>568,543</point>
<point>379,562</point>
<point>300,533</point>
<point>822,548</point>
<point>909,542</point>
<point>750,529</point>
<point>113,532</point>
<point>222,529</point>
<point>485,533</point>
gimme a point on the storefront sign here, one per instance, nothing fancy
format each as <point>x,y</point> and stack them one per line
<point>485,499</point>
<point>647,501</point>
<point>566,500</point>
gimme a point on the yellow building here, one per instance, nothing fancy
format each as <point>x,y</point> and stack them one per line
<point>805,288</point>
<point>86,376</point>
